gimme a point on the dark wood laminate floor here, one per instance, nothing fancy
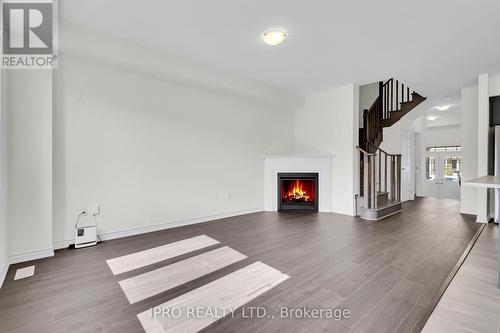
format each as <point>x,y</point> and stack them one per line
<point>385,272</point>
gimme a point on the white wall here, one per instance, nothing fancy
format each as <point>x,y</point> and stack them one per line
<point>482,144</point>
<point>368,93</point>
<point>392,137</point>
<point>442,136</point>
<point>494,85</point>
<point>444,120</point>
<point>468,137</point>
<point>29,164</point>
<point>151,151</point>
<point>328,125</point>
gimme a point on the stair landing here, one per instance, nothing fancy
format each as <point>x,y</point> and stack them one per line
<point>384,209</point>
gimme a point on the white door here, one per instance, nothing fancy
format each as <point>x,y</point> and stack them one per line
<point>407,189</point>
<point>443,175</point>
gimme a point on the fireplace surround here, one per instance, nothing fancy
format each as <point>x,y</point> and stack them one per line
<point>298,192</point>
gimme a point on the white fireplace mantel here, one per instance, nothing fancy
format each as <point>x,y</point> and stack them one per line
<point>276,164</point>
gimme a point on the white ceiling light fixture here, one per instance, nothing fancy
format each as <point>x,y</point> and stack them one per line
<point>274,37</point>
<point>431,118</point>
<point>443,107</point>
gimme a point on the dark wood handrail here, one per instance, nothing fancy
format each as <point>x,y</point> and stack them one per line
<point>373,145</point>
<point>365,152</point>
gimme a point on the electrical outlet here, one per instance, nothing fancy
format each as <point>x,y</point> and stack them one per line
<point>229,195</point>
<point>216,195</point>
<point>93,209</point>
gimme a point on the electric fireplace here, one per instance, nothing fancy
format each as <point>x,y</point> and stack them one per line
<point>298,192</point>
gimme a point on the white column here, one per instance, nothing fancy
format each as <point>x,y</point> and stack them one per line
<point>29,164</point>
<point>482,145</point>
<point>468,196</point>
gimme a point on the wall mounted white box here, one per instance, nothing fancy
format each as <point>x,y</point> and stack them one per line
<point>85,236</point>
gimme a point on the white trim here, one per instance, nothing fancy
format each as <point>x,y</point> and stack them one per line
<point>3,274</point>
<point>31,255</point>
<point>468,211</point>
<point>383,217</point>
<point>479,219</point>
<point>162,226</point>
<point>64,244</point>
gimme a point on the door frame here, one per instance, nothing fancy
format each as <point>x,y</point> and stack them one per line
<point>418,162</point>
<point>408,190</point>
<point>434,188</point>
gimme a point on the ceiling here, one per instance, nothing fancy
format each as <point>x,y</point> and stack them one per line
<point>452,116</point>
<point>437,47</point>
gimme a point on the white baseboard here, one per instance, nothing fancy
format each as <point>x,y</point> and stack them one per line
<point>3,274</point>
<point>482,219</point>
<point>64,244</point>
<point>468,211</point>
<point>157,227</point>
<point>31,255</point>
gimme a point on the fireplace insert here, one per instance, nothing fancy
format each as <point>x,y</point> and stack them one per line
<point>298,192</point>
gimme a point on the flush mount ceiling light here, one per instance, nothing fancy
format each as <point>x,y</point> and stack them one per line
<point>431,118</point>
<point>443,107</point>
<point>274,37</point>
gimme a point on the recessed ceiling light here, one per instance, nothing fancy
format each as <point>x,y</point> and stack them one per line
<point>443,107</point>
<point>274,37</point>
<point>431,118</point>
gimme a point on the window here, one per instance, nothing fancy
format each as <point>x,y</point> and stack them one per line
<point>430,168</point>
<point>452,168</point>
<point>442,149</point>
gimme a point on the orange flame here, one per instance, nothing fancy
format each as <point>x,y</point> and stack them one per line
<point>298,192</point>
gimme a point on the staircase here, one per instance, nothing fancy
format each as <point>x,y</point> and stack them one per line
<point>380,176</point>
